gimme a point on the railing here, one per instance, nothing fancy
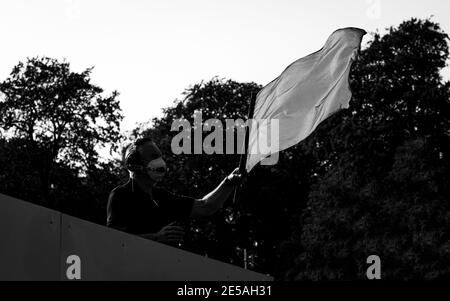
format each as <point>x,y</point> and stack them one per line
<point>36,243</point>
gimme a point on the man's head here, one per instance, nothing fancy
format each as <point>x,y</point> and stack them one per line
<point>144,160</point>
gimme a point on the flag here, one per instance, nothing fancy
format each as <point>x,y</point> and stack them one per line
<point>308,91</point>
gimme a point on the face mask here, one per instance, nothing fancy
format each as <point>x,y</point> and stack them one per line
<point>156,169</point>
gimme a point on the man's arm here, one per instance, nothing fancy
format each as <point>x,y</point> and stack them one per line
<point>206,206</point>
<point>214,200</point>
<point>115,212</point>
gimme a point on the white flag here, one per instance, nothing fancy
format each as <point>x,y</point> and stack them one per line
<point>312,88</point>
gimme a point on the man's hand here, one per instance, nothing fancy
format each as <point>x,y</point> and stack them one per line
<point>213,201</point>
<point>235,178</point>
<point>170,234</point>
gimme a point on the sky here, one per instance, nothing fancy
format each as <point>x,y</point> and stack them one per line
<point>151,51</point>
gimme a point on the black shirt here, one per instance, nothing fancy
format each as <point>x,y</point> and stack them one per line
<point>135,211</point>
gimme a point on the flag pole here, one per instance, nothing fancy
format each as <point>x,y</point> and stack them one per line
<point>243,158</point>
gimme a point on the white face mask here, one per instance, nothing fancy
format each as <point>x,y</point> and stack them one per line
<point>156,169</point>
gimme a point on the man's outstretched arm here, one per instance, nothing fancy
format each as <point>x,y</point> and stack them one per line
<point>214,200</point>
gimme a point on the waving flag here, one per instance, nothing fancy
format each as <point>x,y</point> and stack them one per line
<point>312,88</point>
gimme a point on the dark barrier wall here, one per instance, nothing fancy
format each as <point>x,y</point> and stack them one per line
<point>29,241</point>
<point>36,242</point>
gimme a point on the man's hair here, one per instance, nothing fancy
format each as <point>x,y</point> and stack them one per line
<point>130,153</point>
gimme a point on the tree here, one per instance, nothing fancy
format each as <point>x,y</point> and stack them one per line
<point>60,113</point>
<point>19,163</point>
<point>383,189</point>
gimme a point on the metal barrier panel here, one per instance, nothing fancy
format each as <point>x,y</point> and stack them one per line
<point>107,254</point>
<point>29,241</point>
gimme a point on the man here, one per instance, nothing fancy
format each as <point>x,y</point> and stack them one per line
<point>140,208</point>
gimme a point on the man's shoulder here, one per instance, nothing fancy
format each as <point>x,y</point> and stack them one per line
<point>122,189</point>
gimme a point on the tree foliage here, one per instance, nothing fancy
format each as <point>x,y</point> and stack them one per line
<point>384,190</point>
<point>61,110</point>
<point>54,121</point>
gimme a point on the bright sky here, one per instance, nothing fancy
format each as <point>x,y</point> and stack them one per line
<point>150,51</point>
